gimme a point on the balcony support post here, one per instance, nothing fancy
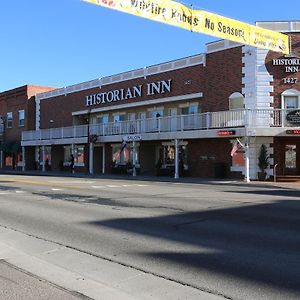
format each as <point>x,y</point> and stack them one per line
<point>133,158</point>
<point>43,159</point>
<point>103,159</point>
<point>23,159</point>
<point>91,158</point>
<point>176,175</point>
<point>247,159</point>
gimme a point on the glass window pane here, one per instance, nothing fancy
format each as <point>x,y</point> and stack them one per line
<point>291,102</point>
<point>290,156</point>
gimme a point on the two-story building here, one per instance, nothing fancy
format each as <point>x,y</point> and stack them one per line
<point>17,111</point>
<point>181,117</point>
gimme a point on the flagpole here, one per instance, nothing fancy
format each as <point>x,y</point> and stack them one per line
<point>247,159</point>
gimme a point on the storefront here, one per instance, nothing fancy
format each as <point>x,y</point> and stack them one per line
<point>179,118</point>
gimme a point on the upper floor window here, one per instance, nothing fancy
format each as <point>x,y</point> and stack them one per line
<point>290,99</point>
<point>9,120</point>
<point>156,113</point>
<point>119,117</point>
<point>102,119</point>
<point>21,118</point>
<point>189,109</point>
<point>236,101</point>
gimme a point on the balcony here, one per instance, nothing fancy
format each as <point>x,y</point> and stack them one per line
<point>255,119</point>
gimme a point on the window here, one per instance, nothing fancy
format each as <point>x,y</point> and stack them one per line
<point>189,109</point>
<point>67,153</point>
<point>290,102</point>
<point>236,101</point>
<point>119,117</point>
<point>156,113</point>
<point>79,154</point>
<point>9,120</point>
<point>21,118</point>
<point>102,119</point>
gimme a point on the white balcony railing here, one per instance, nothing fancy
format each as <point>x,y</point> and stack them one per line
<point>258,118</point>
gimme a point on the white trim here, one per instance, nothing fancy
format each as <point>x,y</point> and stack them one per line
<point>186,62</point>
<point>156,108</point>
<point>291,92</point>
<point>188,104</point>
<point>140,103</point>
<point>118,113</point>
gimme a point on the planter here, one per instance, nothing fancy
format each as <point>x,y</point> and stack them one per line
<point>262,176</point>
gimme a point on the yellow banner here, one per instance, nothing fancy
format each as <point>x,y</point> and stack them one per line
<point>176,14</point>
<point>240,32</point>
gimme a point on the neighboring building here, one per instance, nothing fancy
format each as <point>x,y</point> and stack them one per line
<point>179,117</point>
<point>17,111</point>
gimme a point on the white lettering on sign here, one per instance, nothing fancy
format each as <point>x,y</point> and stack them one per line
<point>159,87</point>
<point>290,65</point>
<point>132,138</point>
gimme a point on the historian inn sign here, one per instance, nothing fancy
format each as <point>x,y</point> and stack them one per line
<point>153,88</point>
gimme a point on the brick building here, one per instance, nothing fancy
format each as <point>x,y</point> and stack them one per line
<point>181,117</point>
<point>17,111</point>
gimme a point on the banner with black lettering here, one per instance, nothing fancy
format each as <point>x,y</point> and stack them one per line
<point>176,14</point>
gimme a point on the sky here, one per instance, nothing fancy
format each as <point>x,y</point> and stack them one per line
<point>63,42</point>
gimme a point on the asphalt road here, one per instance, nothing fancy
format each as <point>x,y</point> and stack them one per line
<point>240,241</point>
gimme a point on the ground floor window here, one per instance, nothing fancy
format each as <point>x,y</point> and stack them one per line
<point>67,153</point>
<point>79,154</point>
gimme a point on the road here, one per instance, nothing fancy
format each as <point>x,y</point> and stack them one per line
<point>231,239</point>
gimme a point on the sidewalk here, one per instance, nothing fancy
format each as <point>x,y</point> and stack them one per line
<point>82,276</point>
<point>15,284</point>
<point>191,180</point>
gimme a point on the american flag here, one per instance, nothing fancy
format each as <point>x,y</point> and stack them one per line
<point>123,146</point>
<point>235,148</point>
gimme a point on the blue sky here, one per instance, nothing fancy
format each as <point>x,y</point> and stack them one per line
<point>64,42</point>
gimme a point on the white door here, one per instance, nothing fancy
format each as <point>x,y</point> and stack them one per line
<point>131,123</point>
<point>173,119</point>
<point>142,120</point>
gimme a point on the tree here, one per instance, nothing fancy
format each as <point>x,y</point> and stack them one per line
<point>263,160</point>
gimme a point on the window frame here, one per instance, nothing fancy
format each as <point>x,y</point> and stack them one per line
<point>9,120</point>
<point>20,124</point>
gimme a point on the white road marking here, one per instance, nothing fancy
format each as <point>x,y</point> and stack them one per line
<point>97,186</point>
<point>4,193</point>
<point>70,181</point>
<point>20,192</point>
<point>56,189</point>
<point>113,186</point>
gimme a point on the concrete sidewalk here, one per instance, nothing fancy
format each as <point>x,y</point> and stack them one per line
<point>15,284</point>
<point>78,274</point>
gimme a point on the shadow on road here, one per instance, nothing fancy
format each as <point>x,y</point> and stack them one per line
<point>255,242</point>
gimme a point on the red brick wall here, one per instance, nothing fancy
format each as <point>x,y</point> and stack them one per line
<point>205,154</point>
<point>279,71</point>
<point>20,98</point>
<point>223,76</point>
<point>59,109</point>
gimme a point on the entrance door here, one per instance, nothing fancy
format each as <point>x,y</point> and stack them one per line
<point>290,159</point>
<point>173,119</point>
<point>142,118</point>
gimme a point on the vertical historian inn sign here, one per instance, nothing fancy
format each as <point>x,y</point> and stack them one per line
<point>153,88</point>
